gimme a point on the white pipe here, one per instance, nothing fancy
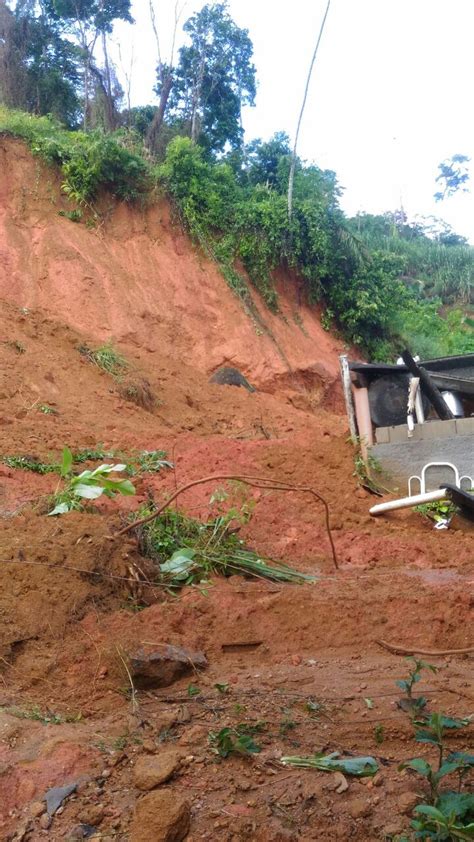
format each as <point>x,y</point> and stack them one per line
<point>408,502</point>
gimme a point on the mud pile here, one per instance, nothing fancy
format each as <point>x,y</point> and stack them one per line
<point>296,663</point>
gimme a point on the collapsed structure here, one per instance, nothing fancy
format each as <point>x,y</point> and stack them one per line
<point>417,422</point>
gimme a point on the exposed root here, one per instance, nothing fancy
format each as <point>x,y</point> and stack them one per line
<point>403,650</point>
<point>266,483</point>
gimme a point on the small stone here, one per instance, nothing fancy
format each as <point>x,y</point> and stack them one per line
<point>341,784</point>
<point>359,808</point>
<point>37,809</point>
<point>296,660</point>
<point>151,771</point>
<point>92,814</point>
<point>393,829</point>
<point>407,802</point>
<point>161,816</point>
<point>45,821</point>
<point>149,746</point>
<point>193,736</point>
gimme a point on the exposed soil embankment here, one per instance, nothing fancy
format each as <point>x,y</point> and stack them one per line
<point>137,278</point>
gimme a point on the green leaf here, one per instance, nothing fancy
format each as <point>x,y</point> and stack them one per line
<point>360,767</point>
<point>59,509</point>
<point>462,758</point>
<point>418,765</point>
<point>180,565</point>
<point>458,803</point>
<point>426,737</point>
<point>369,703</point>
<point>432,812</point>
<point>88,492</point>
<point>193,690</point>
<point>222,688</point>
<point>447,768</point>
<point>66,462</point>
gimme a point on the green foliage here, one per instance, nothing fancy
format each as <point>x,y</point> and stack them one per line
<point>379,734</point>
<point>88,162</point>
<point>46,717</point>
<point>39,66</point>
<point>360,767</point>
<point>238,741</point>
<point>28,463</point>
<point>414,704</point>
<point>88,485</point>
<point>383,282</point>
<point>148,462</point>
<point>189,551</point>
<point>214,78</point>
<point>106,358</point>
<point>438,511</point>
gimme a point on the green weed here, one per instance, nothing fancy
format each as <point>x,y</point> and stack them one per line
<point>28,463</point>
<point>237,740</point>
<point>46,717</point>
<point>107,358</point>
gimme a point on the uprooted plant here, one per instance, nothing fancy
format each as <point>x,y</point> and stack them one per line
<point>360,767</point>
<point>107,358</point>
<point>265,483</point>
<point>87,486</point>
<point>189,551</point>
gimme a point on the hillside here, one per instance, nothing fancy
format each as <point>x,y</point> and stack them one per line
<point>298,664</point>
<point>137,278</point>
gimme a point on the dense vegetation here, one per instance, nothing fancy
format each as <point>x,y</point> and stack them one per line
<point>383,282</point>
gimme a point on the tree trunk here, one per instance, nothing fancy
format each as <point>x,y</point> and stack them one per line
<point>291,179</point>
<point>196,100</point>
<point>109,99</point>
<point>157,122</point>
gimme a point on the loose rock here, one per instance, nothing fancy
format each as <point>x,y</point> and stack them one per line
<point>160,669</point>
<point>359,808</point>
<point>152,771</point>
<point>407,801</point>
<point>161,816</point>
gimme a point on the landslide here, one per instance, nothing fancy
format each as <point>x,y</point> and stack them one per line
<point>136,277</point>
<point>71,601</point>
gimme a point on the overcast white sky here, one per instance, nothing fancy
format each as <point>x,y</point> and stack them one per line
<point>391,93</point>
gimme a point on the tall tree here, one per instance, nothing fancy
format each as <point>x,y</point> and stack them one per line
<point>164,73</point>
<point>214,79</point>
<point>38,68</point>
<point>87,20</point>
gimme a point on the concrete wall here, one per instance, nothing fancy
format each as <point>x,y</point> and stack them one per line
<point>436,441</point>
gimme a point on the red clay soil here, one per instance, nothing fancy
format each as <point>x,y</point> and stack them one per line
<point>302,660</point>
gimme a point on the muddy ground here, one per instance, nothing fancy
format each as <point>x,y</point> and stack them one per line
<point>301,662</point>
